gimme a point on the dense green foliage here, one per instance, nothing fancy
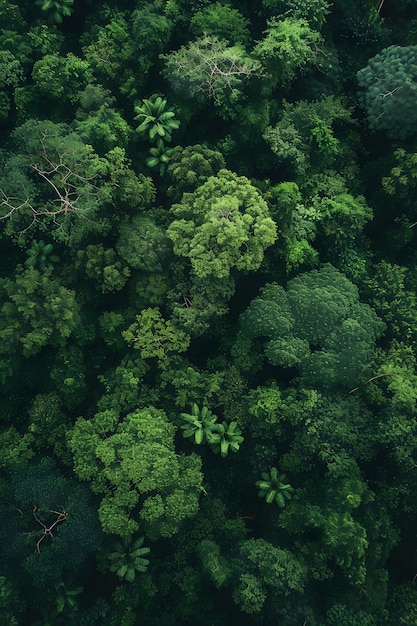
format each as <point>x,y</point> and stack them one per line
<point>208,327</point>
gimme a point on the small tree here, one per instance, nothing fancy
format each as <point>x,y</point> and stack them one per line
<point>389,90</point>
<point>200,424</point>
<point>156,119</point>
<point>40,254</point>
<point>226,438</point>
<point>127,558</point>
<point>56,9</point>
<point>273,488</point>
<point>208,68</point>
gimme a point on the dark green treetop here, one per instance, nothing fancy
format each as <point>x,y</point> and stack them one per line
<point>389,88</point>
<point>318,324</point>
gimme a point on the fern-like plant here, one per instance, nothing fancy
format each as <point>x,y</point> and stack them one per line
<point>127,558</point>
<point>56,9</point>
<point>40,254</point>
<point>274,488</point>
<point>159,158</point>
<point>199,424</point>
<point>225,438</point>
<point>66,598</point>
<point>156,119</point>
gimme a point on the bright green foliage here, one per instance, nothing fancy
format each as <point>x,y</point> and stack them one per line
<point>271,410</point>
<point>124,188</point>
<point>103,268</point>
<point>154,336</point>
<point>270,570</point>
<point>11,71</point>
<point>61,78</point>
<point>389,90</point>
<point>184,382</point>
<point>273,488</point>
<point>200,424</point>
<point>56,9</point>
<point>15,448</point>
<point>225,438</point>
<point>213,562</point>
<point>40,254</point>
<point>289,46</point>
<point>36,311</point>
<point>318,324</point>
<point>343,217</point>
<point>127,558</point>
<point>151,29</point>
<point>313,11</point>
<point>304,138</point>
<point>402,179</point>
<point>112,53</point>
<point>143,244</point>
<point>45,40</point>
<point>223,225</point>
<point>156,119</point>
<point>133,465</point>
<point>296,223</point>
<point>98,122</point>
<point>210,68</point>
<point>397,375</point>
<point>222,21</point>
<point>124,385</point>
<point>190,167</point>
<point>250,594</point>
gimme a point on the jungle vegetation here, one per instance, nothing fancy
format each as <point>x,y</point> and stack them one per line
<point>208,312</point>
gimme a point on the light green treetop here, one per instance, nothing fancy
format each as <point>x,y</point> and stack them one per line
<point>224,224</point>
<point>132,463</point>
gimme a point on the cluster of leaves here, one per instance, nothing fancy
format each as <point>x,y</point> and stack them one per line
<point>203,427</point>
<point>157,122</point>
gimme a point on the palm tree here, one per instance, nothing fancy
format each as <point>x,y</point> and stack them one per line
<point>225,438</point>
<point>273,487</point>
<point>127,558</point>
<point>40,254</point>
<point>159,158</point>
<point>56,9</point>
<point>156,120</point>
<point>199,424</point>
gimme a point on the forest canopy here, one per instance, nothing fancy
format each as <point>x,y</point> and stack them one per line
<point>208,325</point>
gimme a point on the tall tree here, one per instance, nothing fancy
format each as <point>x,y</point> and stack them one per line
<point>223,225</point>
<point>133,465</point>
<point>388,90</point>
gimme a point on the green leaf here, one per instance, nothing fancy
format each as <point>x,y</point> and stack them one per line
<point>271,495</point>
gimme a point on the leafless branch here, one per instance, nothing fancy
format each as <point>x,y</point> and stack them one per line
<point>64,182</point>
<point>47,530</point>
